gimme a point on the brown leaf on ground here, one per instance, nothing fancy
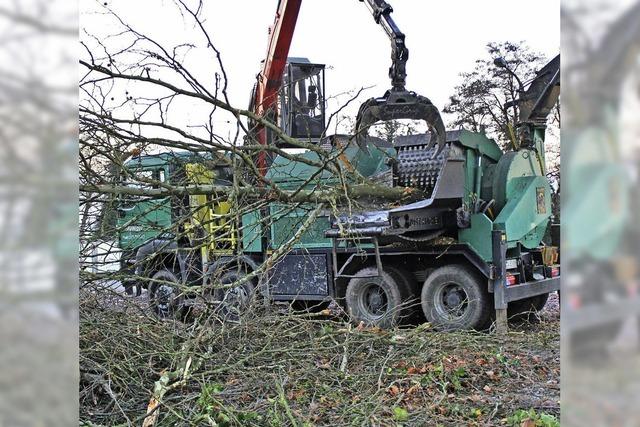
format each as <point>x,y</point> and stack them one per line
<point>441,410</point>
<point>393,390</point>
<point>481,362</point>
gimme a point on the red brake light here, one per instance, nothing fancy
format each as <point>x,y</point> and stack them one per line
<point>511,280</point>
<point>555,272</point>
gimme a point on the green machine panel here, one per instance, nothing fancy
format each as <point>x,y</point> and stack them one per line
<point>287,221</point>
<point>251,232</point>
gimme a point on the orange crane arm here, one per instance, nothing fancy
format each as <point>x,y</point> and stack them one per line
<point>265,97</point>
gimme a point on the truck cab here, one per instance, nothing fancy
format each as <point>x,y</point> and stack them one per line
<point>148,225</point>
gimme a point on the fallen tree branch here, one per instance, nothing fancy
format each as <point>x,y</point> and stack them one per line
<point>318,196</point>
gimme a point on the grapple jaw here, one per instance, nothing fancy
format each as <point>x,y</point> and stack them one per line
<point>395,105</point>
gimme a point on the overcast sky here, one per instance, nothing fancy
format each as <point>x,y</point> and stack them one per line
<point>444,38</point>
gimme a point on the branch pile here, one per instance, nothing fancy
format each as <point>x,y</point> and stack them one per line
<point>282,368</point>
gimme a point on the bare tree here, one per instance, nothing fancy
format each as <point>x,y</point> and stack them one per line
<point>480,102</point>
<point>485,100</point>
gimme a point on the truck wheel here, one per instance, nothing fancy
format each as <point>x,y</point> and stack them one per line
<point>527,308</point>
<point>233,302</point>
<point>376,301</point>
<point>165,297</point>
<point>453,297</point>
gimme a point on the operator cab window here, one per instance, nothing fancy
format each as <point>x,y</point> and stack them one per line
<point>302,107</point>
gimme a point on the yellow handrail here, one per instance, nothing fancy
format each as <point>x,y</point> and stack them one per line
<point>209,215</point>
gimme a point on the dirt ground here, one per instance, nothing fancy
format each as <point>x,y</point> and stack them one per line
<point>280,368</point>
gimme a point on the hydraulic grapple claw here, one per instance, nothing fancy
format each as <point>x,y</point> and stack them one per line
<point>395,105</point>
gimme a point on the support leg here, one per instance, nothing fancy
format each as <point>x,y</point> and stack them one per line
<point>378,258</point>
<point>499,270</point>
<point>502,327</point>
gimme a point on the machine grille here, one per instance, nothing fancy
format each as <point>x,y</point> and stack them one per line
<point>417,168</point>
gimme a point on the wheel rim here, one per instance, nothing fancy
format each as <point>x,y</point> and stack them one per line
<point>451,301</point>
<point>164,297</point>
<point>374,300</point>
<point>235,300</point>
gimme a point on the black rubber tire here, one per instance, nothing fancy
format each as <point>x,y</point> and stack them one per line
<point>412,312</point>
<point>165,300</point>
<point>477,310</point>
<point>527,308</point>
<point>390,315</point>
<point>232,303</point>
<point>128,287</point>
<point>132,287</point>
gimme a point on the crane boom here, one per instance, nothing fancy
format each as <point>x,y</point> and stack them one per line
<point>265,96</point>
<point>281,34</point>
<point>381,11</point>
